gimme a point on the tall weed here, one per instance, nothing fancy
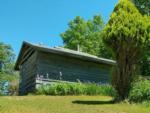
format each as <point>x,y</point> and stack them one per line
<point>76,89</point>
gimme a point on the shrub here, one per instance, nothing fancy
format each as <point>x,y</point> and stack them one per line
<point>76,89</point>
<point>146,103</point>
<point>13,82</point>
<point>140,91</point>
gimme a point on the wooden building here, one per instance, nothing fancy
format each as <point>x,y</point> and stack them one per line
<point>36,61</point>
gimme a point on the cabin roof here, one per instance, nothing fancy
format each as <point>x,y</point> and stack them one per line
<point>62,52</point>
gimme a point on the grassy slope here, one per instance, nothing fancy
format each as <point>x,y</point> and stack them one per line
<point>66,104</point>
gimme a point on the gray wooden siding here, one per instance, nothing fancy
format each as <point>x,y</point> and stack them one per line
<point>71,69</point>
<point>28,73</point>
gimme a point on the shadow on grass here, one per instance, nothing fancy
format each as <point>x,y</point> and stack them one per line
<point>92,102</point>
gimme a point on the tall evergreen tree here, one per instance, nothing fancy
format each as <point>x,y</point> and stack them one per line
<point>126,34</point>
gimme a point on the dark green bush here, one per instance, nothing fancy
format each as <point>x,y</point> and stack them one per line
<point>140,91</point>
<point>76,89</point>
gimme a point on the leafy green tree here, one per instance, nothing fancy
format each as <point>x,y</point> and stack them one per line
<point>6,71</point>
<point>86,35</point>
<point>126,34</point>
<point>6,57</point>
<point>74,35</point>
<point>143,6</point>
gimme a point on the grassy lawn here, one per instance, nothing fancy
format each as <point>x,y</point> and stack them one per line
<point>66,104</point>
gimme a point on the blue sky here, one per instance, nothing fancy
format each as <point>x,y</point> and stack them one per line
<point>42,21</point>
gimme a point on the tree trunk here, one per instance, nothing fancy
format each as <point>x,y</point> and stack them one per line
<point>124,71</point>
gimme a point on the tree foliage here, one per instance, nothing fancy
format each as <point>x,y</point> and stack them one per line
<point>6,71</point>
<point>86,34</point>
<point>126,34</point>
<point>143,6</point>
<point>6,57</point>
<point>145,61</point>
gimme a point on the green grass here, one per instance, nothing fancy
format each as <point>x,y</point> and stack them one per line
<point>66,104</point>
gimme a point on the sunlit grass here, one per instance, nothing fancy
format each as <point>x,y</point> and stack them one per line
<point>66,104</point>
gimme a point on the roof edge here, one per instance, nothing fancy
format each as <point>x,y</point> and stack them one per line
<point>64,51</point>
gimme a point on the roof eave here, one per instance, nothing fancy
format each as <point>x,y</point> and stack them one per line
<point>16,67</point>
<point>60,52</point>
<point>96,60</point>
